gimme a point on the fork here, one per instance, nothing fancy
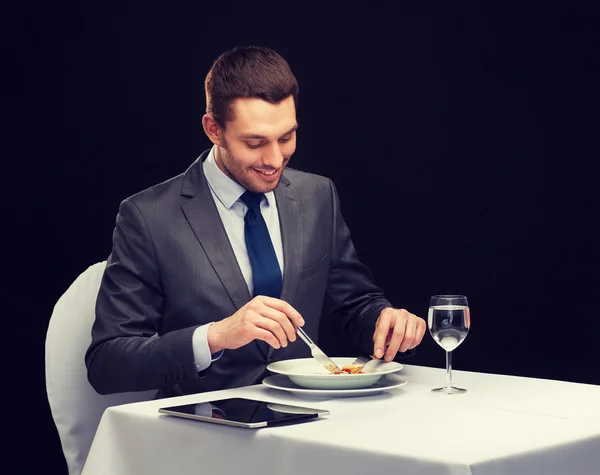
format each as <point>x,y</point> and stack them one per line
<point>369,363</point>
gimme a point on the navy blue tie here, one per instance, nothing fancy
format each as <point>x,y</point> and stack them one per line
<point>266,273</point>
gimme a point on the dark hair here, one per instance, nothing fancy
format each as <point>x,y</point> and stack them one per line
<point>247,71</point>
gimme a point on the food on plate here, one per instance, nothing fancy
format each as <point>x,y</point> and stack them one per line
<point>348,369</point>
<point>352,369</point>
<point>332,369</point>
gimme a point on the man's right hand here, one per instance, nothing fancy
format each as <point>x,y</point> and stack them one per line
<point>263,318</point>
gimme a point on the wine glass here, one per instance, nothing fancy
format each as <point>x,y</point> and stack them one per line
<point>449,320</point>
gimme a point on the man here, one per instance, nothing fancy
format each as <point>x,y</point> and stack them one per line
<point>211,271</point>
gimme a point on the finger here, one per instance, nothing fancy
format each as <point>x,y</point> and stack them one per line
<point>266,336</point>
<point>269,308</point>
<point>282,319</point>
<point>274,328</point>
<point>261,316</point>
<point>421,329</point>
<point>388,338</point>
<point>409,334</point>
<point>286,323</point>
<point>284,307</point>
<point>397,337</point>
<point>382,329</point>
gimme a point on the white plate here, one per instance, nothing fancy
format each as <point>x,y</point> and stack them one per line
<point>283,383</point>
<point>306,372</point>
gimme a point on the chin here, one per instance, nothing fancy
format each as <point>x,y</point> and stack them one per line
<point>262,187</point>
<point>259,186</point>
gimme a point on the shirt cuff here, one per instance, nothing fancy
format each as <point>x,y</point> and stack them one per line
<point>202,356</point>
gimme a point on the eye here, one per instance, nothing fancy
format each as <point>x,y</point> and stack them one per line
<point>285,139</point>
<point>253,146</point>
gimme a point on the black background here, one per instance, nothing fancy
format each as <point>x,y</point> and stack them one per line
<point>462,140</point>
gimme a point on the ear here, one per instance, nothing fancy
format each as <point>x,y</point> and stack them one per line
<point>212,130</point>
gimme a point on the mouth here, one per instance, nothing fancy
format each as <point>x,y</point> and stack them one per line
<point>268,175</point>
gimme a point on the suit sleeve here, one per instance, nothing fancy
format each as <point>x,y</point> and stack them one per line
<point>125,353</point>
<point>352,298</point>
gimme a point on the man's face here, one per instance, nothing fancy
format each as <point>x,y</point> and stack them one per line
<point>257,145</point>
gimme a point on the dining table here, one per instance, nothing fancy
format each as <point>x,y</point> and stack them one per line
<point>501,425</point>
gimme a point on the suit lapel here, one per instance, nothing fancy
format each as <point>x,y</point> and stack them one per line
<point>203,217</point>
<point>290,222</point>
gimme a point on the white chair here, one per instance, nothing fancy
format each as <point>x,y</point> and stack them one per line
<point>75,405</point>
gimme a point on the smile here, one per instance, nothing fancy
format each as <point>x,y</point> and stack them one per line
<point>267,173</point>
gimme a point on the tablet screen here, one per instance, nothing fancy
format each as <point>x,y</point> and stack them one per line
<point>244,412</point>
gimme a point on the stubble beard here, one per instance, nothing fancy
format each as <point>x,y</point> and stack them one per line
<point>245,183</point>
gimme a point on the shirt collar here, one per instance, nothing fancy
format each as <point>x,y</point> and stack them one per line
<point>226,190</point>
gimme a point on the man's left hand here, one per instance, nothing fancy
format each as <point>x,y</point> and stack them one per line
<point>396,331</point>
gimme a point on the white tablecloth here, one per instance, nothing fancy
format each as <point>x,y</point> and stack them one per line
<point>502,425</point>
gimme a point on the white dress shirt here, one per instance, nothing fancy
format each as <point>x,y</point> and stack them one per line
<point>232,210</point>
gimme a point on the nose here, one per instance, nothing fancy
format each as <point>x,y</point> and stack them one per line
<point>273,157</point>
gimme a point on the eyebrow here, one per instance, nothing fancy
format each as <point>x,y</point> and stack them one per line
<point>256,136</point>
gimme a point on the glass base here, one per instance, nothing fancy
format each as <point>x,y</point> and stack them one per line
<point>449,390</point>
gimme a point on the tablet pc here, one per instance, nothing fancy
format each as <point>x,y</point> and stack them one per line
<point>243,412</point>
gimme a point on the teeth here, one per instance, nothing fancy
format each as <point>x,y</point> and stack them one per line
<point>267,173</point>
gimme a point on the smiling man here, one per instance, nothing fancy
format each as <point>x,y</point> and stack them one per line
<point>256,146</point>
<point>210,271</point>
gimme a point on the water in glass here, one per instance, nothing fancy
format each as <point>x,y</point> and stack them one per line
<point>449,320</point>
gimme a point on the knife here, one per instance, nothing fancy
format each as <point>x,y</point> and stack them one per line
<point>318,354</point>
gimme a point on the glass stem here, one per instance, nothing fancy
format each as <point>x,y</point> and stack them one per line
<point>448,369</point>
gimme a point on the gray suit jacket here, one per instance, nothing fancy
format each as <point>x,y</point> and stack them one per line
<point>172,269</point>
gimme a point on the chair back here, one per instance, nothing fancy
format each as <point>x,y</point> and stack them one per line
<point>76,407</point>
